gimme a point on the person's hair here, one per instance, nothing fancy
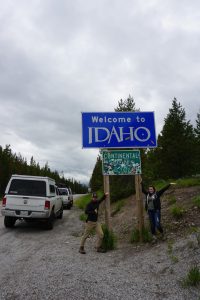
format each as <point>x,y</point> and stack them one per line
<point>94,195</point>
<point>152,186</point>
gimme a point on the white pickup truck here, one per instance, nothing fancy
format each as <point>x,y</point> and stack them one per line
<point>31,198</point>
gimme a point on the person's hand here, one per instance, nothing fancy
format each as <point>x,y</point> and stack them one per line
<point>106,194</point>
<point>95,210</point>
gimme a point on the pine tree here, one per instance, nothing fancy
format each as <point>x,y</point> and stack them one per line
<point>96,181</point>
<point>126,105</point>
<point>197,128</point>
<point>176,144</point>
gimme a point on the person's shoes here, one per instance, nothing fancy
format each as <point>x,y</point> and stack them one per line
<point>100,249</point>
<point>81,250</point>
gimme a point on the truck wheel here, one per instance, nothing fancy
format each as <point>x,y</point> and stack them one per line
<point>50,221</point>
<point>9,222</point>
<point>61,213</point>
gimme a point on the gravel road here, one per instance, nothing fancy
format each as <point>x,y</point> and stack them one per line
<point>40,264</point>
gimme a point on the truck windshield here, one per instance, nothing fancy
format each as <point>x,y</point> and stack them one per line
<point>27,188</point>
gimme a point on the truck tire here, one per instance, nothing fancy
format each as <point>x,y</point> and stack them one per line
<point>60,213</point>
<point>9,222</point>
<point>50,221</point>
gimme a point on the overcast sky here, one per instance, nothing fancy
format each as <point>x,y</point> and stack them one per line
<point>61,58</point>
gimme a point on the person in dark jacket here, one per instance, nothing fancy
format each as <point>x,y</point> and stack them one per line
<point>153,207</point>
<point>92,222</point>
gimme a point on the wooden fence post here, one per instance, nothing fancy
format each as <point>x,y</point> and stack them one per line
<point>139,203</point>
<point>107,201</point>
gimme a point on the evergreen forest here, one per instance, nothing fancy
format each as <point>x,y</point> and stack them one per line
<point>11,163</point>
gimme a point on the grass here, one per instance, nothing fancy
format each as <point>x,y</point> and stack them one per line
<point>109,240</point>
<point>171,200</point>
<point>170,247</point>
<point>177,212</point>
<point>83,217</point>
<point>83,201</point>
<point>118,206</point>
<point>187,182</point>
<point>180,183</point>
<point>173,258</point>
<point>196,201</point>
<point>192,278</point>
<point>135,235</point>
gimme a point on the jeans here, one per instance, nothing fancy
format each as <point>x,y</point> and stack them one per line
<point>154,218</point>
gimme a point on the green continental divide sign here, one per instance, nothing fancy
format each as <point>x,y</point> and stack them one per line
<point>121,162</point>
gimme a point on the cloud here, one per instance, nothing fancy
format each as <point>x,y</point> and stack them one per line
<point>58,59</point>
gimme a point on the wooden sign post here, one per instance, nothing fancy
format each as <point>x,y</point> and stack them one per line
<point>107,201</point>
<point>139,204</point>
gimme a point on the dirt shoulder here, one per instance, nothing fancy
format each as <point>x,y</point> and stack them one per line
<point>126,218</point>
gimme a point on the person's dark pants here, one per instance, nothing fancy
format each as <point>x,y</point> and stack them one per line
<point>154,218</point>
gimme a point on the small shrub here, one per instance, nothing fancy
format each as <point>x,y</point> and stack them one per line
<point>196,201</point>
<point>170,247</point>
<point>135,236</point>
<point>174,259</point>
<point>109,240</point>
<point>177,212</point>
<point>83,217</point>
<point>192,278</point>
<point>146,235</point>
<point>171,200</point>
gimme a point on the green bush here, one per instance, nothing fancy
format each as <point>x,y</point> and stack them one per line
<point>177,212</point>
<point>192,278</point>
<point>135,235</point>
<point>109,240</point>
<point>196,201</point>
<point>83,217</point>
<point>171,200</point>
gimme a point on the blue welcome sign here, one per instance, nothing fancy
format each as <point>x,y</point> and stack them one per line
<point>118,130</point>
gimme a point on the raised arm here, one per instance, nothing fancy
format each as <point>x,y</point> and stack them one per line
<point>103,198</point>
<point>160,192</point>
